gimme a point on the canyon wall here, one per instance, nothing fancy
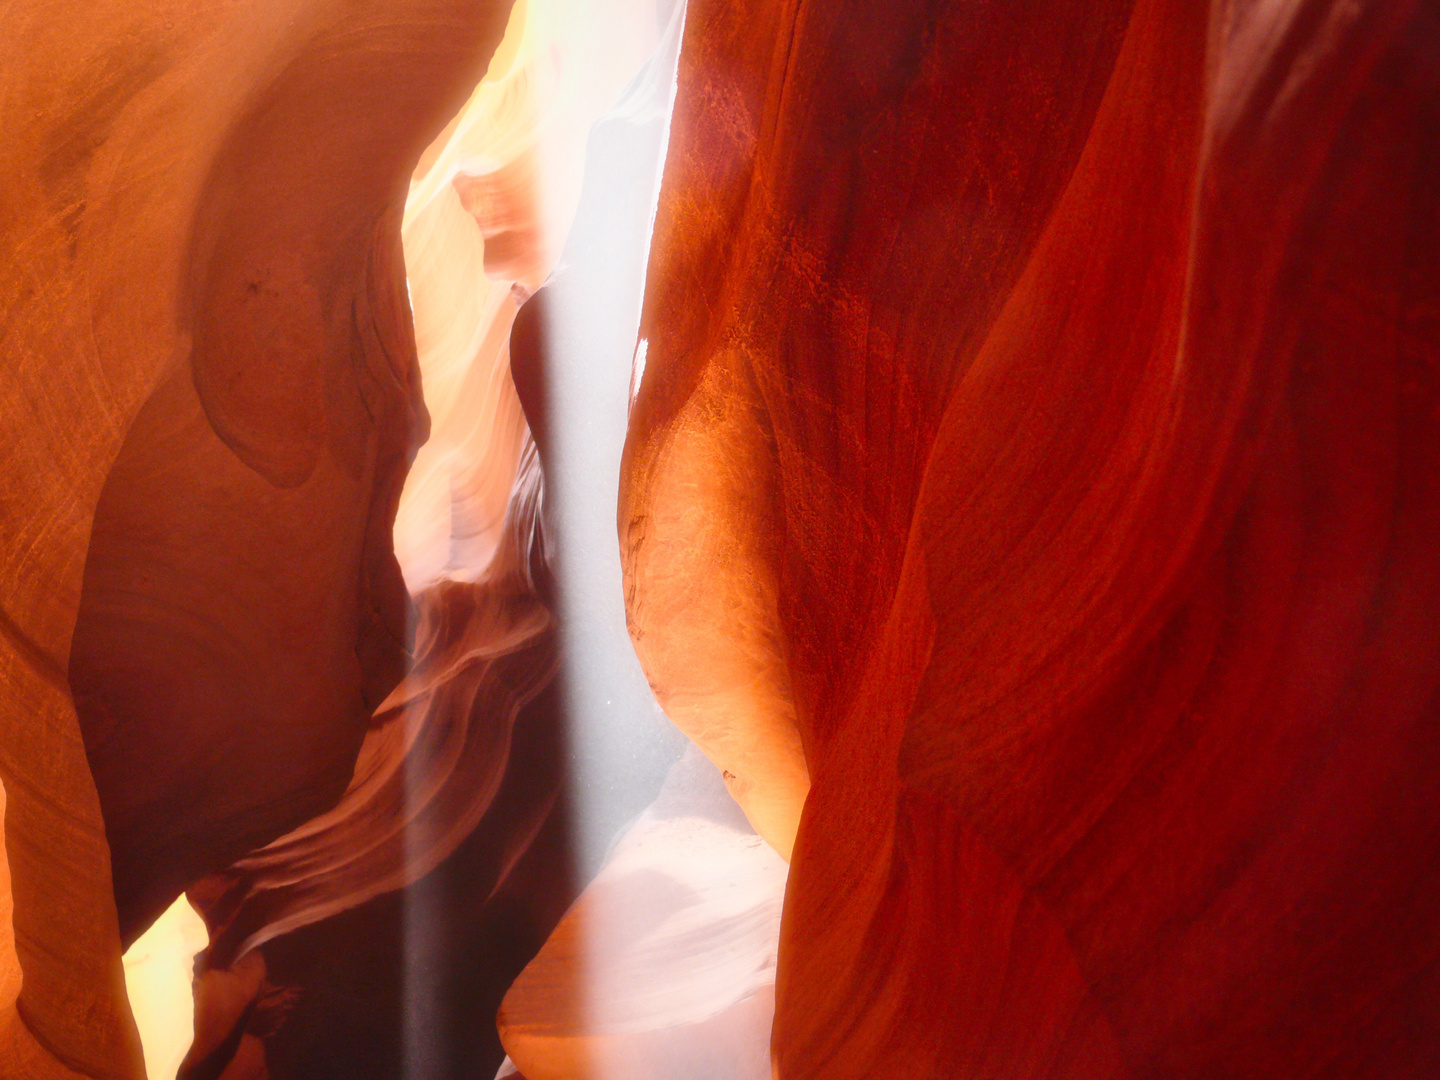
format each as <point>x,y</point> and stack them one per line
<point>210,403</point>
<point>1030,506</point>
<point>1043,399</point>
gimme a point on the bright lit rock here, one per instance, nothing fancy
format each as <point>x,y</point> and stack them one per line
<point>665,965</point>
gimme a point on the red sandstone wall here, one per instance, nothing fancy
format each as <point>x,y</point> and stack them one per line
<point>1051,391</point>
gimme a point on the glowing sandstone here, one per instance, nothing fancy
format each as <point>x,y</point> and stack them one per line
<point>487,213</point>
<point>463,766</point>
<point>1041,398</point>
<point>182,182</point>
<point>1036,458</point>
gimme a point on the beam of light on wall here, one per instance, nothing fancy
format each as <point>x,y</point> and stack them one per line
<point>158,968</point>
<point>622,744</point>
<point>490,207</point>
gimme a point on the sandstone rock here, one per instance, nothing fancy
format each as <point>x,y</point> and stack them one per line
<point>1055,443</point>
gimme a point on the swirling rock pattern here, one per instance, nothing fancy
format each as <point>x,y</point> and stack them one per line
<point>1030,505</point>
<point>210,362</point>
<point>1038,419</point>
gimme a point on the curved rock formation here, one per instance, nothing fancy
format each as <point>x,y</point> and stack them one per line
<point>1043,398</point>
<point>443,758</point>
<point>431,766</point>
<point>466,775</point>
<point>205,285</point>
<point>1030,505</point>
<point>488,212</point>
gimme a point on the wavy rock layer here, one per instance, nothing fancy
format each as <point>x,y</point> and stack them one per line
<point>488,212</point>
<point>472,780</point>
<point>211,363</point>
<point>1057,435</point>
<point>460,752</point>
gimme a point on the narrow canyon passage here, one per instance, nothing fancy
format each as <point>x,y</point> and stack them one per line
<point>663,540</point>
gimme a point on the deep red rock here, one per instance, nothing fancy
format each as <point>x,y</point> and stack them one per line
<point>1086,356</point>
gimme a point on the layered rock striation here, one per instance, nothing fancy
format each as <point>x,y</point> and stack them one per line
<point>1036,448</point>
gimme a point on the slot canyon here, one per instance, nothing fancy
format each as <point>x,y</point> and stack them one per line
<point>700,540</point>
